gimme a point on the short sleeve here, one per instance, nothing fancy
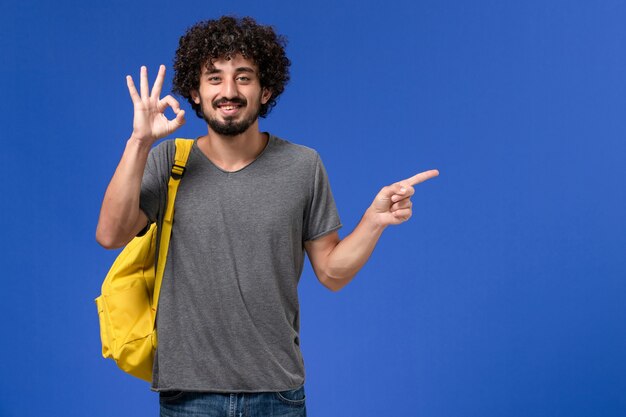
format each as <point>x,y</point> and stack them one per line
<point>154,182</point>
<point>321,217</point>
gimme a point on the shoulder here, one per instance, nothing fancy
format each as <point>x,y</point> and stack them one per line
<point>161,157</point>
<point>295,152</point>
<point>164,149</point>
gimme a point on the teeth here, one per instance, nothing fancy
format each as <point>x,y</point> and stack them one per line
<point>229,107</point>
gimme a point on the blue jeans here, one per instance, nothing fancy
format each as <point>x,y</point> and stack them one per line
<point>207,404</point>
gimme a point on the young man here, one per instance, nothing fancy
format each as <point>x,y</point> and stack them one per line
<point>249,206</point>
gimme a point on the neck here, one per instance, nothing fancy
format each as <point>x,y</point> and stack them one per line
<point>231,153</point>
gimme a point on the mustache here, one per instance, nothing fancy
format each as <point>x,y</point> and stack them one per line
<point>236,100</point>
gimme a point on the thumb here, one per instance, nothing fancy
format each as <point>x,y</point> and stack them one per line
<point>387,192</point>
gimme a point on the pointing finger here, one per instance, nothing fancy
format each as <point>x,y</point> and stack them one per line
<point>168,101</point>
<point>158,83</point>
<point>421,177</point>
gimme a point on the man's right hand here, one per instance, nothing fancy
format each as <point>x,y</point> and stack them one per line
<point>150,122</point>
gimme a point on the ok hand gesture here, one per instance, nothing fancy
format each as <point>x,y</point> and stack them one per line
<point>393,203</point>
<point>150,122</point>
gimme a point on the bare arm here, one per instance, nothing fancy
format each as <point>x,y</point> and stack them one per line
<point>336,261</point>
<point>120,216</point>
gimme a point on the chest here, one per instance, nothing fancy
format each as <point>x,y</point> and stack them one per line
<point>245,203</point>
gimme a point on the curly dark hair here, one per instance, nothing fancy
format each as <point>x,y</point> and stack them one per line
<point>209,40</point>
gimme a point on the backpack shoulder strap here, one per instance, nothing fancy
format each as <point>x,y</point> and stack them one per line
<point>183,148</point>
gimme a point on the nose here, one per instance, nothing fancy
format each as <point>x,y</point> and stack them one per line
<point>229,89</point>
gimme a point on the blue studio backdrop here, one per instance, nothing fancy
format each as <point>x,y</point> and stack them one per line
<point>504,295</point>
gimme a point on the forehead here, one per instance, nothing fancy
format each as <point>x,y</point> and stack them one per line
<point>234,63</point>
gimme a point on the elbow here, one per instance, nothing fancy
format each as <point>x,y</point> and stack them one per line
<point>336,288</point>
<point>107,240</point>
<point>332,286</point>
<point>107,245</point>
<point>335,282</point>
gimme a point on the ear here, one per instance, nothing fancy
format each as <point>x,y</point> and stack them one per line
<point>265,95</point>
<point>195,96</point>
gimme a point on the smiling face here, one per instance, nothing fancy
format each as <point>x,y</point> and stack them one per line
<point>231,95</point>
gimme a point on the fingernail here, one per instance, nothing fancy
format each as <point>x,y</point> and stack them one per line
<point>402,189</point>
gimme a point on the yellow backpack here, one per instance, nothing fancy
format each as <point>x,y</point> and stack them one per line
<point>130,292</point>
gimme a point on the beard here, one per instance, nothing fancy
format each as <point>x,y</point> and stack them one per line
<point>229,126</point>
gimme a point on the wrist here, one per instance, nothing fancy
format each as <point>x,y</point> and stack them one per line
<point>373,221</point>
<point>139,144</point>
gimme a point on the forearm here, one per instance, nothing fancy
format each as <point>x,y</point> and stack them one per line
<point>349,256</point>
<point>336,262</point>
<point>120,207</point>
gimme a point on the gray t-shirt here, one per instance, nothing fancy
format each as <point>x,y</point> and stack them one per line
<point>228,318</point>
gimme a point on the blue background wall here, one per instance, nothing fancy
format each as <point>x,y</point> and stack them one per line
<point>504,295</point>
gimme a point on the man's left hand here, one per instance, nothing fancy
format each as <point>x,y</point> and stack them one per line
<point>393,203</point>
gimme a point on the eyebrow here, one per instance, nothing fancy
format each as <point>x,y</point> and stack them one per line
<point>238,70</point>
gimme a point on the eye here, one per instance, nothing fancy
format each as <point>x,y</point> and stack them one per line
<point>214,79</point>
<point>244,79</point>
